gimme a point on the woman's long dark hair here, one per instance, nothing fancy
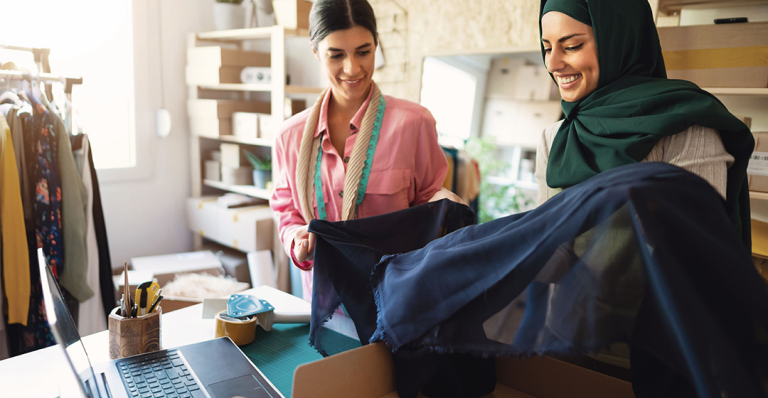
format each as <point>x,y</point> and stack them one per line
<point>328,16</point>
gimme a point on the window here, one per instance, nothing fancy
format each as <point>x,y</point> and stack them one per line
<point>449,93</point>
<point>92,39</point>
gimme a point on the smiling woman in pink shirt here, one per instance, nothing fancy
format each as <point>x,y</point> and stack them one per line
<point>356,152</point>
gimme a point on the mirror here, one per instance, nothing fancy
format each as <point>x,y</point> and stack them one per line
<point>495,107</point>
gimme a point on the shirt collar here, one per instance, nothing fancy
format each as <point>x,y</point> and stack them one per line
<point>357,120</point>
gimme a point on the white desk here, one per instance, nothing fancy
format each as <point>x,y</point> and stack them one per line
<point>39,373</point>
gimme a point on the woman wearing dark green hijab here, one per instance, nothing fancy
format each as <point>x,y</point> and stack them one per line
<point>620,108</point>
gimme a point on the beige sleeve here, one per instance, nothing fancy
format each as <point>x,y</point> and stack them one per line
<point>542,156</point>
<point>699,150</point>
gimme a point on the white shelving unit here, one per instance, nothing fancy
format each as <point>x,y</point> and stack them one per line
<point>249,190</point>
<point>278,89</point>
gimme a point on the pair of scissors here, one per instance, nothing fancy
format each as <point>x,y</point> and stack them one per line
<point>146,294</point>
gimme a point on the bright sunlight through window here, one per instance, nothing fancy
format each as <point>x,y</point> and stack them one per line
<point>451,104</point>
<point>92,39</point>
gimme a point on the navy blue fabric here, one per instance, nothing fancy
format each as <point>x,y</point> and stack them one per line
<point>347,251</point>
<point>642,254</point>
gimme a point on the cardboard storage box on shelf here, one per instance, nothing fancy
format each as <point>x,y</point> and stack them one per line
<point>247,229</point>
<point>212,170</point>
<point>213,118</point>
<point>212,128</point>
<point>241,175</point>
<point>245,125</point>
<point>369,372</point>
<point>757,170</point>
<point>292,14</point>
<point>724,55</point>
<point>216,65</point>
<point>232,156</point>
<point>201,216</point>
<point>223,109</point>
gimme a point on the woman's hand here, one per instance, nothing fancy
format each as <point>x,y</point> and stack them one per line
<point>304,244</point>
<point>446,194</point>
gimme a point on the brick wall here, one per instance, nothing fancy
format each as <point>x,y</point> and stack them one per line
<point>410,30</point>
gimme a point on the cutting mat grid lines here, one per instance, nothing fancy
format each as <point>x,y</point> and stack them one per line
<point>279,352</point>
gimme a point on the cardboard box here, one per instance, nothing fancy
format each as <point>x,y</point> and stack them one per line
<point>164,268</point>
<point>292,14</point>
<point>201,216</point>
<point>218,57</point>
<point>247,229</point>
<point>212,170</point>
<point>268,129</point>
<point>369,372</point>
<point>223,109</point>
<point>726,55</point>
<point>212,75</point>
<point>757,171</point>
<point>212,128</point>
<point>241,175</point>
<point>231,155</point>
<point>245,125</point>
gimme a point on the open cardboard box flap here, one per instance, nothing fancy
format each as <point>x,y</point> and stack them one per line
<point>369,372</point>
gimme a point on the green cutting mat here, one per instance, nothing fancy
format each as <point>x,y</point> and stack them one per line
<point>278,352</point>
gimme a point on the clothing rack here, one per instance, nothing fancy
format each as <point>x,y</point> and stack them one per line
<point>41,57</point>
<point>43,77</point>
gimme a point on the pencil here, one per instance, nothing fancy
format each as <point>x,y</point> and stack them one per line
<point>126,290</point>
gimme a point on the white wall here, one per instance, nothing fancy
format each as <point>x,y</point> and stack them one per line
<point>146,216</point>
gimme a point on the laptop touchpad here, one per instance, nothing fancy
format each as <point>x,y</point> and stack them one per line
<point>244,386</point>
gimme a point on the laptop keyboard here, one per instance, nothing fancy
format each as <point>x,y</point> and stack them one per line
<point>164,374</point>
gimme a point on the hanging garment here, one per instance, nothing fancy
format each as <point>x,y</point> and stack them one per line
<point>448,183</point>
<point>106,284</point>
<point>22,147</point>
<point>74,228</point>
<point>680,288</point>
<point>92,317</point>
<point>15,258</point>
<point>468,179</point>
<point>4,353</point>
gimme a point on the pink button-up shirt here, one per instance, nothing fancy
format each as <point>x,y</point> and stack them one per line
<point>408,167</point>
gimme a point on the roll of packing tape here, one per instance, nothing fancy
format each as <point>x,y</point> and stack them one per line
<point>241,332</point>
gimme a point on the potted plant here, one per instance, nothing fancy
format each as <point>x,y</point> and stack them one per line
<point>262,170</point>
<point>228,14</point>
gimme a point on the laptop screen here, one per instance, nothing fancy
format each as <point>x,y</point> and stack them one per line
<point>63,326</point>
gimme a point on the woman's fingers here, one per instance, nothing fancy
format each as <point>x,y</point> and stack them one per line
<point>446,194</point>
<point>300,249</point>
<point>311,246</point>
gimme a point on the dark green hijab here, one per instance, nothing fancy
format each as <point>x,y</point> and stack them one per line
<point>635,105</point>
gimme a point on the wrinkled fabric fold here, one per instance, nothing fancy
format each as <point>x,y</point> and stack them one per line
<point>642,254</point>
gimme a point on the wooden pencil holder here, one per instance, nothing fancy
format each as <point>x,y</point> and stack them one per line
<point>133,336</point>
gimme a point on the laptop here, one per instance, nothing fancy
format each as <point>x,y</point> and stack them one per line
<point>210,369</point>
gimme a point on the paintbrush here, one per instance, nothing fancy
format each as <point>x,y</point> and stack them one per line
<point>126,291</point>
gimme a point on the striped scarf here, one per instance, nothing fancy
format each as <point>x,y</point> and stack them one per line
<point>308,152</point>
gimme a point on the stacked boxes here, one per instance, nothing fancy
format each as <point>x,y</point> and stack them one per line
<point>247,228</point>
<point>216,65</point>
<point>726,55</point>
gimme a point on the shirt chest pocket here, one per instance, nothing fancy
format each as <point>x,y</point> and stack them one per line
<point>387,191</point>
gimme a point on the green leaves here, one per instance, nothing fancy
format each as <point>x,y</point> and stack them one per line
<point>258,164</point>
